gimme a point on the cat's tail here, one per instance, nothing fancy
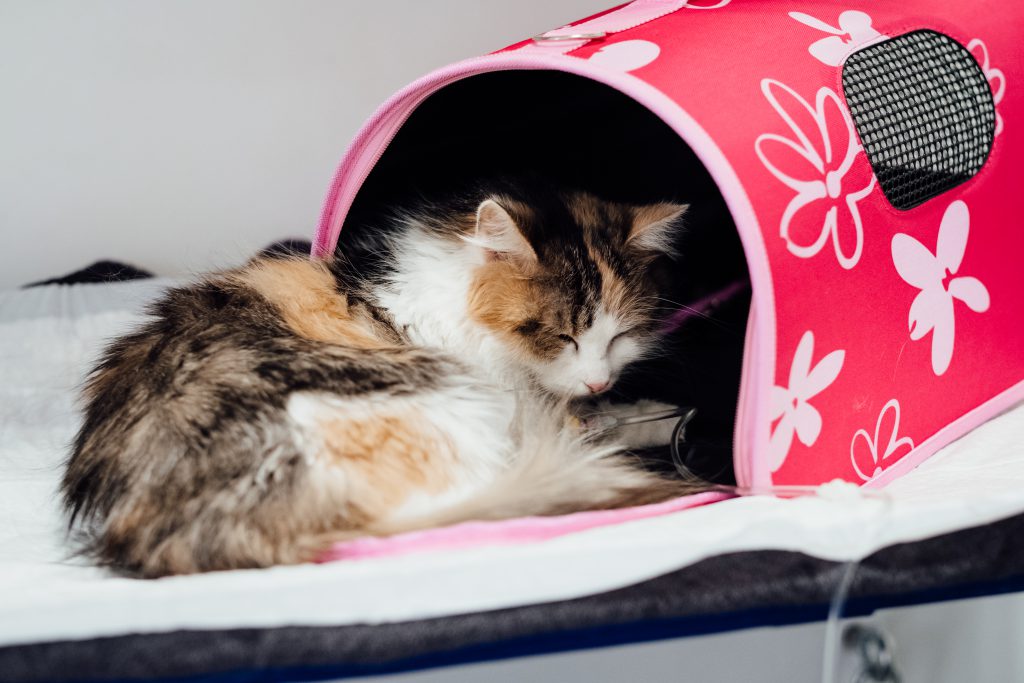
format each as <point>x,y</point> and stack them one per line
<point>555,471</point>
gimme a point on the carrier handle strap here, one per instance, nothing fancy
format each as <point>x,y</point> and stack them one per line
<point>568,38</point>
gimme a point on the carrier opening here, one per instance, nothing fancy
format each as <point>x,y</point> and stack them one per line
<point>580,134</point>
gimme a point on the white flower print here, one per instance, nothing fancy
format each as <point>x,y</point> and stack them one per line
<point>814,164</point>
<point>996,79</point>
<point>627,55</point>
<point>933,309</point>
<point>864,450</point>
<point>854,31</point>
<point>791,403</point>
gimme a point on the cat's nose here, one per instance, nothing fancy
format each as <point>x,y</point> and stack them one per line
<point>597,387</point>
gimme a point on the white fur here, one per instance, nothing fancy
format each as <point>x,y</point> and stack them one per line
<point>474,417</point>
<point>502,456</point>
<point>428,295</point>
<point>598,360</point>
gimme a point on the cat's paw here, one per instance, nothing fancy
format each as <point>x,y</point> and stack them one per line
<point>604,419</point>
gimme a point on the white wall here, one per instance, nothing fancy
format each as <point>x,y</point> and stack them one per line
<point>181,135</point>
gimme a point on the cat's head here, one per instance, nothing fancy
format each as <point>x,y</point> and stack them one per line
<point>565,282</point>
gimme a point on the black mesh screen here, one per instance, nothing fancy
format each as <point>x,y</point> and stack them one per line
<point>924,113</point>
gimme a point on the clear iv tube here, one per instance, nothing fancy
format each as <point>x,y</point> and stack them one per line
<point>835,615</point>
<point>848,569</point>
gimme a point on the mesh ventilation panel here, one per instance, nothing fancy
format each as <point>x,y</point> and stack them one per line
<point>924,113</point>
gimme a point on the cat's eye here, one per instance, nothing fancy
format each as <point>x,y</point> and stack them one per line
<point>569,340</point>
<point>617,337</point>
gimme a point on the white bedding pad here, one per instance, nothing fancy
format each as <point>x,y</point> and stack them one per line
<point>49,336</point>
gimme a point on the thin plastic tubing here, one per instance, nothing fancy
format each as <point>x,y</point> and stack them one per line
<point>835,615</point>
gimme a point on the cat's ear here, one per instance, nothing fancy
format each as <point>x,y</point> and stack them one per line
<point>656,227</point>
<point>499,235</point>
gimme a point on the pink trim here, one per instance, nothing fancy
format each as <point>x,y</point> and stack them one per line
<point>759,355</point>
<point>626,17</point>
<point>743,431</point>
<point>954,430</point>
<point>507,532</point>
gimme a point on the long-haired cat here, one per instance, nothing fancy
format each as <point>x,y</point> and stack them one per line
<point>423,378</point>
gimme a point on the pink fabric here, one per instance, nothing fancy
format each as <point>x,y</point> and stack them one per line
<point>507,532</point>
<point>954,430</point>
<point>626,17</point>
<point>876,336</point>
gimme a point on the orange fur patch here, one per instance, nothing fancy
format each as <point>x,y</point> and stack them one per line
<point>386,458</point>
<point>615,295</point>
<point>499,296</point>
<point>304,293</point>
<point>502,298</point>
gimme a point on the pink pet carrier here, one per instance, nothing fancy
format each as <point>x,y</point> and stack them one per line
<point>867,154</point>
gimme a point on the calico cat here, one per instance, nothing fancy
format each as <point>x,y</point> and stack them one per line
<point>425,377</point>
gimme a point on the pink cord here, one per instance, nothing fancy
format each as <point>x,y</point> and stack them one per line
<point>702,307</point>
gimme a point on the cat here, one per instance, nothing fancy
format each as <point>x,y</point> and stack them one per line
<point>425,375</point>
